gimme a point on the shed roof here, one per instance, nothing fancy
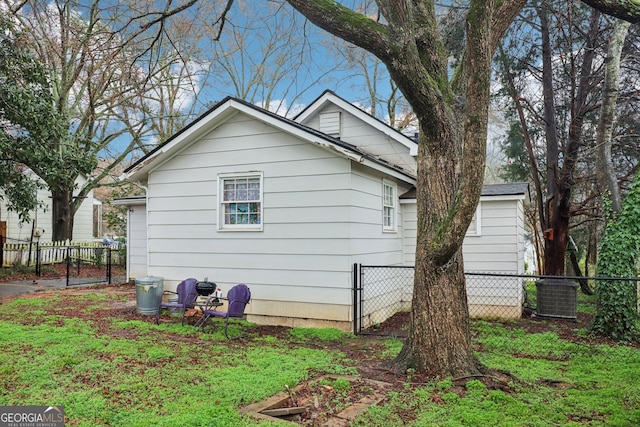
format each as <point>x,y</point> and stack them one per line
<point>130,200</point>
<point>504,189</point>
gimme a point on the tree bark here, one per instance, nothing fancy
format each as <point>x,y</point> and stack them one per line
<point>627,10</point>
<point>439,340</point>
<point>555,242</point>
<point>451,155</point>
<point>560,178</point>
<point>62,213</point>
<point>607,180</point>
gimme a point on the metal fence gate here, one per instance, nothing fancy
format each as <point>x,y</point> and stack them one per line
<point>379,292</point>
<point>77,264</point>
<point>83,265</point>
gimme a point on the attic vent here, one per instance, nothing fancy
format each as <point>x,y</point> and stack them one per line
<point>330,123</point>
<point>556,298</point>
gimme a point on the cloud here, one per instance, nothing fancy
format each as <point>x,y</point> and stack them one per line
<point>281,107</point>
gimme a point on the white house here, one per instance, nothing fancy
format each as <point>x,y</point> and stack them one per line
<point>242,195</point>
<point>41,221</point>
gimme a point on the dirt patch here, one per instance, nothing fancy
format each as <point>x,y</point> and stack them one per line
<point>59,271</point>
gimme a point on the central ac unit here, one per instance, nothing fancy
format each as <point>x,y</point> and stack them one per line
<point>556,298</point>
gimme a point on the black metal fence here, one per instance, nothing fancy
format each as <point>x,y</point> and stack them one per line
<point>380,292</point>
<point>90,262</point>
<point>382,296</point>
<point>84,265</point>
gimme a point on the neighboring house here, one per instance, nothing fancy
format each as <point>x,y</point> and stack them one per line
<point>242,195</point>
<point>41,223</point>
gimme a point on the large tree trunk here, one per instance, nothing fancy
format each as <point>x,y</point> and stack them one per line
<point>62,215</point>
<point>607,180</point>
<point>439,340</point>
<point>616,309</point>
<point>556,226</point>
<point>451,154</point>
<point>560,178</point>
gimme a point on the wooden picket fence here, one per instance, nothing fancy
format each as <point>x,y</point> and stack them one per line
<point>26,254</point>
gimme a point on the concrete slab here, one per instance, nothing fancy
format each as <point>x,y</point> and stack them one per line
<point>11,290</point>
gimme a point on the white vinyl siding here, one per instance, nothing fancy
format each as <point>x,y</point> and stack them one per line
<point>82,220</point>
<point>409,210</point>
<point>475,227</point>
<point>136,241</point>
<point>97,219</point>
<point>303,248</point>
<point>498,248</point>
<point>370,244</point>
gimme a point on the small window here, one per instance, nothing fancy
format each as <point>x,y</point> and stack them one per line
<point>240,201</point>
<point>475,227</point>
<point>388,206</point>
<point>97,219</point>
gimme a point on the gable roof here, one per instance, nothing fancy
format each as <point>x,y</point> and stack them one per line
<point>329,97</point>
<point>228,108</point>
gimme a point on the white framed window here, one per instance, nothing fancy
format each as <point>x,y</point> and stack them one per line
<point>389,191</point>
<point>475,227</point>
<point>240,201</point>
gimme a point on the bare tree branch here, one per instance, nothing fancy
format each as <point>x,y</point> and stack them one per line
<point>627,10</point>
<point>166,14</point>
<point>222,19</point>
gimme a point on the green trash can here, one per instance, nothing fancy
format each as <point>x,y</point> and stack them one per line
<point>148,293</point>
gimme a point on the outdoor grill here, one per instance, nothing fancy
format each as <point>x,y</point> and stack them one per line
<point>205,288</point>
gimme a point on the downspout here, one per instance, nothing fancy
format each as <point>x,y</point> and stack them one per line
<point>146,223</point>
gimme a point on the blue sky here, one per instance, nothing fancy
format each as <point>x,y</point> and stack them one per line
<point>301,59</point>
<point>268,55</point>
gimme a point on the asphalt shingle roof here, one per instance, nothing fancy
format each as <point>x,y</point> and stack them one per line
<point>508,189</point>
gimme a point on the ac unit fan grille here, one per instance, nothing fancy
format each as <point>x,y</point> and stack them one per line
<point>556,298</point>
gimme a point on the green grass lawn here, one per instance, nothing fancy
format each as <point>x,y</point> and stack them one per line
<point>109,370</point>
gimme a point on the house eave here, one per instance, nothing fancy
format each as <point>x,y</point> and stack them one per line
<point>207,122</point>
<point>128,201</point>
<point>192,132</point>
<point>493,192</point>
